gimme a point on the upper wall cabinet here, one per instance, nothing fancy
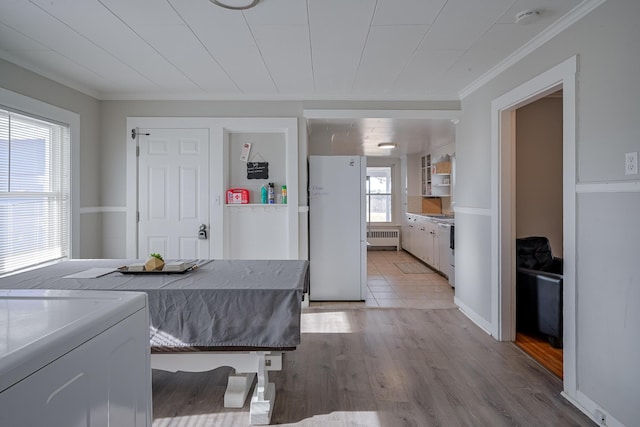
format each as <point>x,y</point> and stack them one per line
<point>425,175</point>
<point>435,177</point>
<point>441,179</point>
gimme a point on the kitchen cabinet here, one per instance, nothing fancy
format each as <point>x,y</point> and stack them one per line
<point>428,240</point>
<point>409,236</point>
<point>441,179</point>
<point>425,174</point>
<point>421,237</point>
<point>435,178</point>
<point>444,248</point>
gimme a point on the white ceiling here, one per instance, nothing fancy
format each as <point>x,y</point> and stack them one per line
<point>280,49</point>
<point>361,136</point>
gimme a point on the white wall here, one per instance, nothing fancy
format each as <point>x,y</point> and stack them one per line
<point>609,302</point>
<point>265,147</point>
<point>115,136</point>
<point>607,42</point>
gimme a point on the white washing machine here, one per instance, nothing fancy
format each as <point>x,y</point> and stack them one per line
<point>74,358</point>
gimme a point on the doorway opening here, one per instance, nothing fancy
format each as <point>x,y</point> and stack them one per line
<point>538,212</point>
<point>561,77</point>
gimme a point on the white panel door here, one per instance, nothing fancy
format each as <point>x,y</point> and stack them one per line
<point>173,193</point>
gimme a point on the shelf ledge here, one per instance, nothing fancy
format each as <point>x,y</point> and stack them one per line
<point>253,205</point>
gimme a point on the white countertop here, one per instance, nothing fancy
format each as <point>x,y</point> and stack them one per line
<point>441,218</point>
<point>39,326</point>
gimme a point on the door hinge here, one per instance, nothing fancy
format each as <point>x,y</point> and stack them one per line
<point>137,151</point>
<point>137,216</point>
<point>135,133</point>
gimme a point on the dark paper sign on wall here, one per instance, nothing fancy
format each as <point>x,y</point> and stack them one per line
<point>257,170</point>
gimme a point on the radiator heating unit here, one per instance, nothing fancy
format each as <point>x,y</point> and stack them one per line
<point>384,237</point>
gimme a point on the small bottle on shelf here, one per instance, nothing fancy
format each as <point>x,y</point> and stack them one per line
<point>263,194</point>
<point>272,193</point>
<point>284,194</point>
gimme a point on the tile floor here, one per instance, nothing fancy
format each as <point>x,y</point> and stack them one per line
<point>388,286</point>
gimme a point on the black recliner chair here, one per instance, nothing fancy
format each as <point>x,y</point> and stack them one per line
<point>538,289</point>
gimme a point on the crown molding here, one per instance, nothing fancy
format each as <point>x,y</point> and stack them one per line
<point>161,96</point>
<point>14,60</point>
<point>550,32</point>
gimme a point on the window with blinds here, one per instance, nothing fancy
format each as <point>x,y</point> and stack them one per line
<point>34,191</point>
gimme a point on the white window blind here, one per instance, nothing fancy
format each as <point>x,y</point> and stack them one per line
<point>34,191</point>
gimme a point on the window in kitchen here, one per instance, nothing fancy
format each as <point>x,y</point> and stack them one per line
<point>34,190</point>
<point>379,194</point>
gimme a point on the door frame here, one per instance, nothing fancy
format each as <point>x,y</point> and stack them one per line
<point>135,123</point>
<point>562,76</point>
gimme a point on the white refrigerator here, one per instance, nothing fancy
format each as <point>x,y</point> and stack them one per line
<point>337,228</point>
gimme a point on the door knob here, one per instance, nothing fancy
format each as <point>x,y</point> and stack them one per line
<point>202,233</point>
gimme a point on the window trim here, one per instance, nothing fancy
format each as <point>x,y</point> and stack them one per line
<point>368,195</point>
<point>22,104</point>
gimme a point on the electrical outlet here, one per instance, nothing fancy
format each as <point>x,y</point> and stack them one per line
<point>631,163</point>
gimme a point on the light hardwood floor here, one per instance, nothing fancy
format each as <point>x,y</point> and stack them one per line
<point>540,349</point>
<point>371,366</point>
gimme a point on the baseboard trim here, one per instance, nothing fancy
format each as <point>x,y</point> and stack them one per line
<point>473,316</point>
<point>589,408</point>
